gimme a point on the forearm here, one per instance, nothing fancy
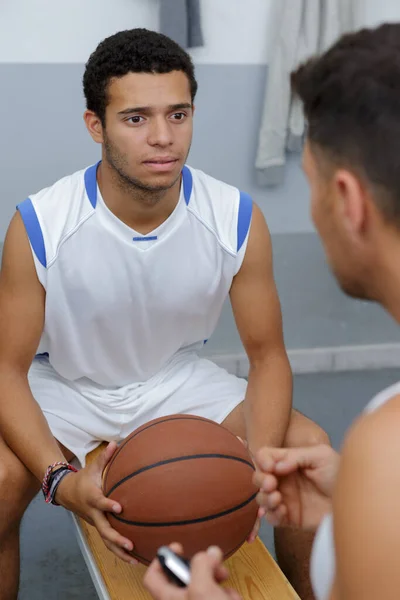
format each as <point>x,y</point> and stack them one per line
<point>268,402</point>
<point>23,425</point>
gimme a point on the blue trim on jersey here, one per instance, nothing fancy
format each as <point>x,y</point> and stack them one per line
<point>187,183</point>
<point>149,238</point>
<point>33,229</point>
<point>244,218</point>
<point>91,183</point>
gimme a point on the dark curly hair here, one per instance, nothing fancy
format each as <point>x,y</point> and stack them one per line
<point>351,97</point>
<point>132,51</point>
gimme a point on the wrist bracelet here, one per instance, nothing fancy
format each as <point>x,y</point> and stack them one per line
<point>56,479</point>
<point>50,474</point>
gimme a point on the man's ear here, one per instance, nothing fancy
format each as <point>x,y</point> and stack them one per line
<point>351,201</point>
<point>94,126</point>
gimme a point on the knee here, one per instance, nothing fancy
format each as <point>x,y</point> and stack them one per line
<point>316,436</point>
<point>304,432</point>
<point>17,489</point>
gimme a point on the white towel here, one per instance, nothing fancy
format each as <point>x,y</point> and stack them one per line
<point>302,28</point>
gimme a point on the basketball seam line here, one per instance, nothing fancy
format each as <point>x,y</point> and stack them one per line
<point>188,521</point>
<point>122,446</point>
<point>173,460</point>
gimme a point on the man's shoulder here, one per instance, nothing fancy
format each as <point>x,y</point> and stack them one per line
<point>375,431</point>
<point>216,195</point>
<point>68,185</point>
<point>212,184</point>
<point>53,213</point>
<point>222,208</point>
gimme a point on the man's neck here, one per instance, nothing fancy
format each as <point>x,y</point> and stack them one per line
<point>387,276</point>
<point>142,210</point>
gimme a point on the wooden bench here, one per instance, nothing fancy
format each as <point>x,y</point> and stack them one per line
<point>253,572</point>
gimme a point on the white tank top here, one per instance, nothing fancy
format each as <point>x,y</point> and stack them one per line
<point>120,305</point>
<point>323,565</point>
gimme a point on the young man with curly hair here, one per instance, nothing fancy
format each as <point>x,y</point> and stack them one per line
<point>112,279</point>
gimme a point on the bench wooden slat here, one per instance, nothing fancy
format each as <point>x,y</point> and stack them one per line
<point>253,572</point>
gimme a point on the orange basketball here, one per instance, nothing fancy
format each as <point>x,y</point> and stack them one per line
<point>182,478</point>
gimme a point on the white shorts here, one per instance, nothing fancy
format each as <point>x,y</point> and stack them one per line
<point>82,414</point>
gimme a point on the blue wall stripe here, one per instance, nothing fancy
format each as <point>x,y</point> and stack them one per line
<point>33,229</point>
<point>187,183</point>
<point>244,218</point>
<point>91,183</point>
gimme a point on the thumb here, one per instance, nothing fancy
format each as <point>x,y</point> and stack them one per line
<point>215,556</point>
<point>298,458</point>
<point>203,568</point>
<point>267,458</point>
<point>104,457</point>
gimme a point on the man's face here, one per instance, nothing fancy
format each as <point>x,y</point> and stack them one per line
<point>148,128</point>
<point>335,223</point>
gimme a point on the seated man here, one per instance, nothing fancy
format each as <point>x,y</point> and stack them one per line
<point>112,279</point>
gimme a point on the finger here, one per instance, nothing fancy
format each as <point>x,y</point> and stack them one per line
<point>215,555</point>
<point>204,565</point>
<point>100,502</point>
<point>278,517</point>
<point>120,553</point>
<point>299,458</point>
<point>269,501</point>
<point>288,466</point>
<point>109,534</point>
<point>221,573</point>
<point>266,458</point>
<point>256,528</point>
<point>252,537</point>
<point>99,467</point>
<point>277,512</point>
<point>267,483</point>
<point>104,457</point>
<point>177,548</point>
<point>202,573</point>
<point>273,500</point>
<point>86,518</point>
<point>158,585</point>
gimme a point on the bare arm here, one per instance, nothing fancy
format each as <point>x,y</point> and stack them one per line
<point>366,509</point>
<point>22,423</point>
<point>22,298</point>
<point>258,317</point>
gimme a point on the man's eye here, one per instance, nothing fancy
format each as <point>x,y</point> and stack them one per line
<point>179,116</point>
<point>135,120</point>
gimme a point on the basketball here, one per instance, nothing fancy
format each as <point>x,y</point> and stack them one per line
<point>182,478</point>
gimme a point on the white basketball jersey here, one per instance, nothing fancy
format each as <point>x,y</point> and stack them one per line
<point>120,305</point>
<point>323,563</point>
